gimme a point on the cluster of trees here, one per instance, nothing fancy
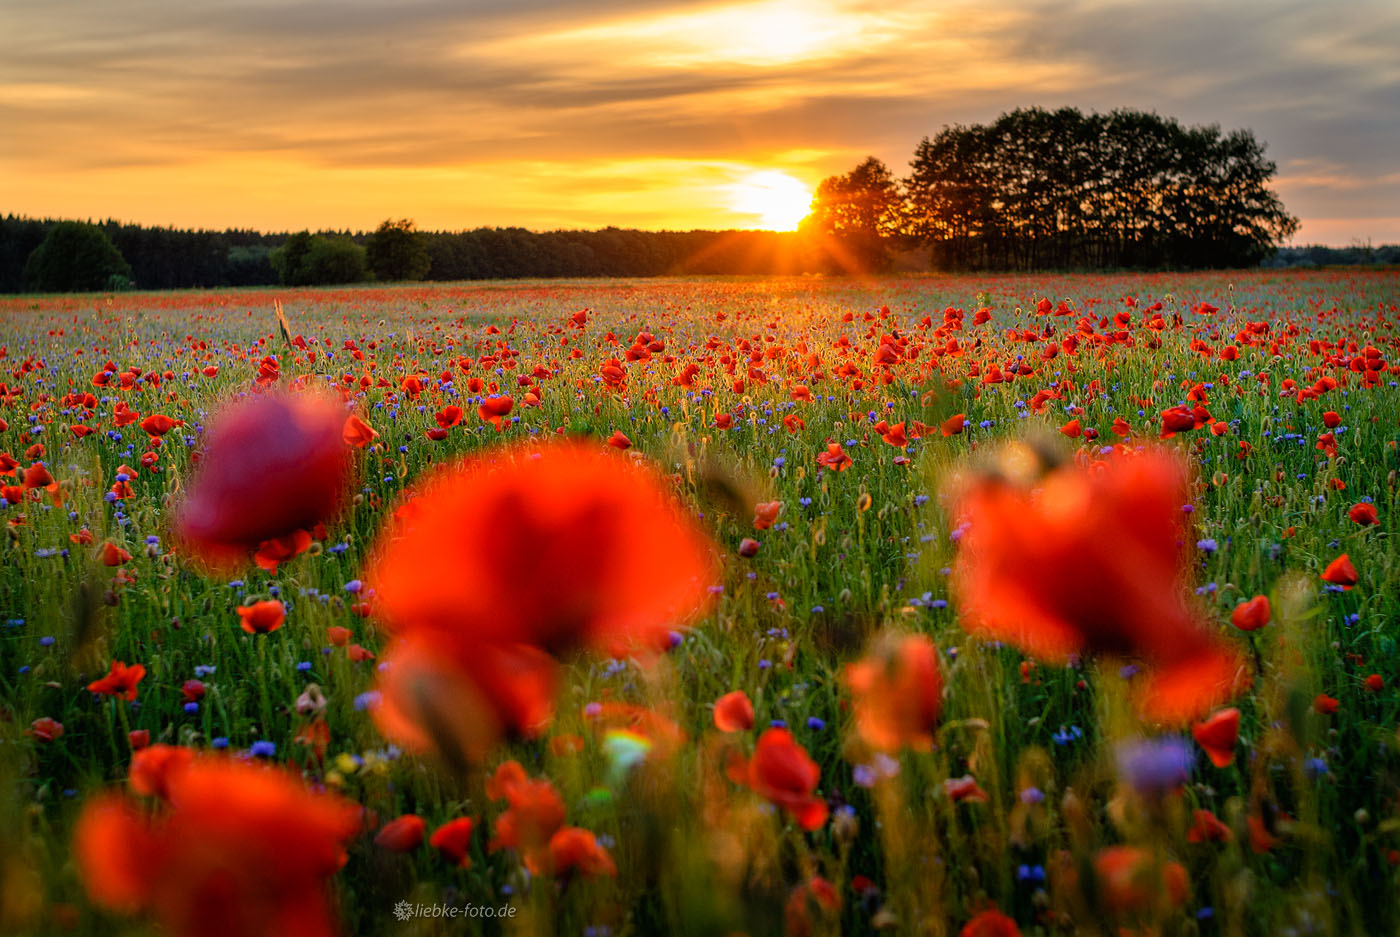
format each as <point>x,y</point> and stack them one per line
<point>1039,189</point>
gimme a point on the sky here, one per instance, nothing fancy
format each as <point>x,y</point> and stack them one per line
<point>551,114</point>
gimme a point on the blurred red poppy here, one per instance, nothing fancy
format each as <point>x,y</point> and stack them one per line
<point>1092,563</point>
<point>1130,880</point>
<point>453,840</point>
<point>1218,735</point>
<point>240,850</point>
<point>464,700</point>
<point>782,772</point>
<point>401,834</point>
<point>990,923</point>
<point>1251,615</point>
<point>898,693</point>
<point>274,465</point>
<point>560,546</point>
<point>574,851</point>
<point>733,712</point>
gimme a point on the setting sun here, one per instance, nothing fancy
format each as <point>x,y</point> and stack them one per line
<point>776,200</point>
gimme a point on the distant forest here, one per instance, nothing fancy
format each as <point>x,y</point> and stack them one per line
<point>1034,190</point>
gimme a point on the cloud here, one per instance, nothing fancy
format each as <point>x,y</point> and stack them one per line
<point>555,112</point>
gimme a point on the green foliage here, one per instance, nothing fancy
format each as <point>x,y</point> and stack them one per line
<point>76,257</point>
<point>307,259</point>
<point>397,252</point>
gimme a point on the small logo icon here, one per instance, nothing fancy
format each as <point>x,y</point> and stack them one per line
<point>403,911</point>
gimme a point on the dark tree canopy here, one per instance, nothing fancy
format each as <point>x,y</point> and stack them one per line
<point>307,259</point>
<point>1039,189</point>
<point>858,217</point>
<point>396,251</point>
<point>76,257</point>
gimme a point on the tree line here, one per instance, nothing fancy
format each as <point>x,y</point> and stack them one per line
<point>1039,189</point>
<point>168,258</point>
<point>1033,190</point>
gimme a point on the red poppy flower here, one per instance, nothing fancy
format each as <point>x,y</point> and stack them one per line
<point>1363,514</point>
<point>272,553</point>
<point>45,729</point>
<point>895,436</point>
<point>37,476</point>
<point>1340,572</point>
<point>120,681</point>
<point>1130,880</point>
<point>492,409</point>
<point>464,700</point>
<point>1177,420</point>
<point>619,440</point>
<point>814,899</point>
<point>965,788</point>
<point>1251,615</point>
<point>154,768</point>
<point>1325,705</point>
<point>356,432</point>
<point>453,840</point>
<point>262,617</point>
<point>535,814</point>
<point>748,548</point>
<point>898,693</point>
<point>113,555</point>
<point>782,772</point>
<point>834,458</point>
<point>448,416</point>
<point>734,712</point>
<point>158,424</point>
<point>765,513</point>
<point>559,546</point>
<point>1091,563</point>
<point>1208,828</point>
<point>953,425</point>
<point>402,834</point>
<point>339,636</point>
<point>274,465</point>
<point>1375,683</point>
<point>240,849</point>
<point>990,923</point>
<point>1218,735</point>
<point>573,851</point>
<point>1072,428</point>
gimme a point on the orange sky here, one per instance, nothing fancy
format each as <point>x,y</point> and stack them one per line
<point>559,113</point>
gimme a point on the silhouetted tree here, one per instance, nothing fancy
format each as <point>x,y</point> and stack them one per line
<point>857,217</point>
<point>76,256</point>
<point>397,252</point>
<point>1038,189</point>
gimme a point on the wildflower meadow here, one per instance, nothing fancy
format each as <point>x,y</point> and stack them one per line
<point>971,605</point>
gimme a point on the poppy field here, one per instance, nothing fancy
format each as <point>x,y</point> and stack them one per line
<point>980,605</point>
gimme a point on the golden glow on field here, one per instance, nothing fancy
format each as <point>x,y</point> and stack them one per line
<point>778,201</point>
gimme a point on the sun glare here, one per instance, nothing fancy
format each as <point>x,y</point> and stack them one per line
<point>774,199</point>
